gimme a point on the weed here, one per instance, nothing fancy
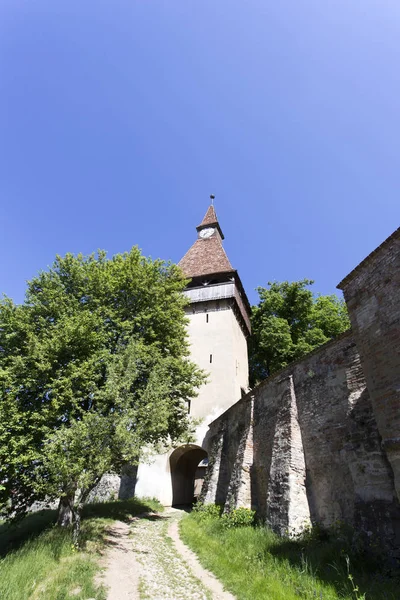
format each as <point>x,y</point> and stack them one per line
<point>354,588</point>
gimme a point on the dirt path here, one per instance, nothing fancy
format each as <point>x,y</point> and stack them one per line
<point>121,575</point>
<point>148,561</point>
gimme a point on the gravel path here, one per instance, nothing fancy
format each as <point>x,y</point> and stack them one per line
<point>148,561</point>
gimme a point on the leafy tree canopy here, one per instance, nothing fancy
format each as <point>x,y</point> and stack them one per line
<point>289,322</point>
<point>93,368</point>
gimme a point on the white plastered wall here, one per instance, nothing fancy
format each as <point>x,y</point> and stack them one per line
<point>154,479</point>
<point>217,333</point>
<point>222,337</point>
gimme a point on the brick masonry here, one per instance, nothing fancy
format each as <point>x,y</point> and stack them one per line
<point>320,441</point>
<point>372,294</point>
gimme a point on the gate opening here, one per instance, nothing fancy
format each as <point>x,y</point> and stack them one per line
<point>188,467</point>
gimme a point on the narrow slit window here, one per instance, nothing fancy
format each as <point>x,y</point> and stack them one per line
<point>207,318</point>
<point>210,358</point>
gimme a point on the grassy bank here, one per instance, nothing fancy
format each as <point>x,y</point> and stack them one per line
<point>39,561</point>
<point>253,563</point>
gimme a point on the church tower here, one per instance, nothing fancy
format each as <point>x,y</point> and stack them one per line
<point>218,327</point>
<point>218,321</point>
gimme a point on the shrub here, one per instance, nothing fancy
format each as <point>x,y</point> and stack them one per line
<point>207,511</point>
<point>239,517</point>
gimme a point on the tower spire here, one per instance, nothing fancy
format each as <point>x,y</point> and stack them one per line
<point>207,255</point>
<point>207,261</point>
<point>210,219</point>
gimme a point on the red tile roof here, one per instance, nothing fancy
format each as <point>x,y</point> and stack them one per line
<point>205,257</point>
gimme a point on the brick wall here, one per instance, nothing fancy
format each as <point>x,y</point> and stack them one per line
<point>372,294</point>
<point>320,440</point>
<point>230,449</point>
<point>305,445</point>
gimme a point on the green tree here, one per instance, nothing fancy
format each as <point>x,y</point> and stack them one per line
<point>94,367</point>
<point>289,322</point>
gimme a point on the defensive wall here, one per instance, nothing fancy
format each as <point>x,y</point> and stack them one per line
<point>372,294</point>
<point>320,440</point>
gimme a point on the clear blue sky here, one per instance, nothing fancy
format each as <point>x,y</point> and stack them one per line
<point>119,118</point>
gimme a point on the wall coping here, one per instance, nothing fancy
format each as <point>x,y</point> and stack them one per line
<point>368,259</point>
<point>285,371</point>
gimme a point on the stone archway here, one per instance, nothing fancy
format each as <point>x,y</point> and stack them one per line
<point>188,464</point>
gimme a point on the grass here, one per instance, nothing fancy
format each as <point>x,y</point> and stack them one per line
<point>39,561</point>
<point>253,563</point>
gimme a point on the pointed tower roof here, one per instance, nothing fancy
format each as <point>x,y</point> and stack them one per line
<point>206,263</point>
<point>210,216</point>
<point>207,255</point>
<point>210,220</point>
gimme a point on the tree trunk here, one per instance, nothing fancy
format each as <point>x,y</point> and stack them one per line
<point>65,510</point>
<point>70,508</point>
<point>77,511</point>
<point>77,524</point>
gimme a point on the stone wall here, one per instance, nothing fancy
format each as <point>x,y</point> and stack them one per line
<point>115,487</point>
<point>372,294</point>
<point>229,456</point>
<point>304,445</point>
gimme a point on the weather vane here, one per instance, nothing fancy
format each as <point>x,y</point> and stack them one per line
<point>212,199</point>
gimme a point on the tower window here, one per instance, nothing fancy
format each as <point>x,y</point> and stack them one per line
<point>207,318</point>
<point>210,358</point>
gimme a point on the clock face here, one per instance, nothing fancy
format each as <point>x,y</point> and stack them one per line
<point>206,233</point>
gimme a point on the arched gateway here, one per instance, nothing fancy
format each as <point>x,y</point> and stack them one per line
<point>187,466</point>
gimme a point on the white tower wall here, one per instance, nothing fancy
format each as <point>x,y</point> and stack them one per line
<point>219,347</point>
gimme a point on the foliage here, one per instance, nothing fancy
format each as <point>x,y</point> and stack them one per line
<point>253,564</point>
<point>206,511</point>
<point>41,562</point>
<point>236,517</point>
<point>239,517</point>
<point>93,368</point>
<point>288,323</point>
